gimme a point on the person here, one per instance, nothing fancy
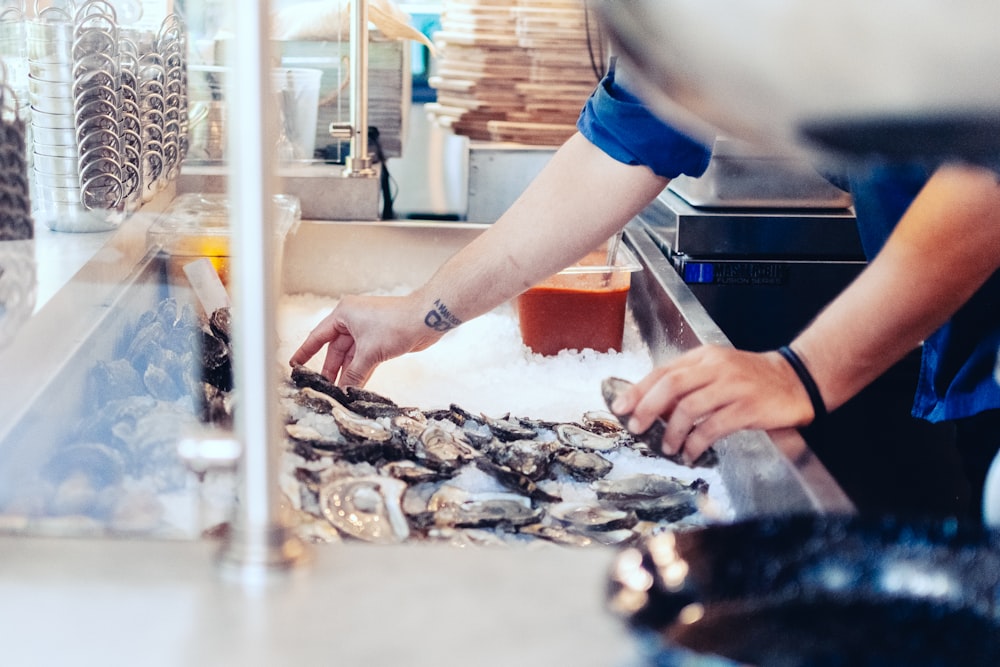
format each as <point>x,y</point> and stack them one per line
<point>933,240</point>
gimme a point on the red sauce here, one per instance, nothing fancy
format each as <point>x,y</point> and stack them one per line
<point>554,319</point>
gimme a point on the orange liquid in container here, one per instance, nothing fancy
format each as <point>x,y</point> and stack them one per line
<point>556,318</point>
<point>582,306</point>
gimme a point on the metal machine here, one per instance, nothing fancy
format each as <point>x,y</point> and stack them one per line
<point>758,238</point>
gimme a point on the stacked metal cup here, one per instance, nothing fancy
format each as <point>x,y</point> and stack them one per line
<point>109,112</point>
<point>97,100</point>
<point>55,152</point>
<point>172,44</point>
<point>131,128</point>
<point>152,120</point>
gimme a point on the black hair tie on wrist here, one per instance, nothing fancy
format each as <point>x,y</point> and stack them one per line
<point>819,408</point>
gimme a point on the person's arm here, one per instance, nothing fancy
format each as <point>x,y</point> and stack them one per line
<point>943,249</point>
<point>580,199</point>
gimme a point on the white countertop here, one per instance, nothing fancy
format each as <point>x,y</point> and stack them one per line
<point>117,602</point>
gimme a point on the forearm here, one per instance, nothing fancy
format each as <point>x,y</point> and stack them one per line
<point>579,199</point>
<point>944,248</point>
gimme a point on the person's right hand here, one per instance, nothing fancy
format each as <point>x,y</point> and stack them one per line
<point>362,332</point>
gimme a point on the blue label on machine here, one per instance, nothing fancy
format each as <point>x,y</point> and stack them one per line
<point>699,272</point>
<point>736,273</point>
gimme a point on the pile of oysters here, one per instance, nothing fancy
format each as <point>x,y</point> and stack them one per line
<point>359,466</point>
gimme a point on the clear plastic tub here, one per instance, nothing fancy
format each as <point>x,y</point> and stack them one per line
<point>581,307</point>
<point>197,225</point>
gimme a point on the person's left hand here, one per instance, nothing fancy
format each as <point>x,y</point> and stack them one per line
<point>711,391</point>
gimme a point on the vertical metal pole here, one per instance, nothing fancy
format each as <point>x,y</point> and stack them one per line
<point>358,163</point>
<point>259,542</point>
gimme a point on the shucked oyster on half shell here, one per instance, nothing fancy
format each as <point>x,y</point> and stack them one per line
<point>367,508</point>
<point>613,387</point>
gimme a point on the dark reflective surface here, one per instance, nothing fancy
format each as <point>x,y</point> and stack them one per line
<point>814,590</point>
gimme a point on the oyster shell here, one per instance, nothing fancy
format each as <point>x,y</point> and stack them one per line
<point>443,450</point>
<point>585,518</point>
<point>221,324</point>
<point>580,438</point>
<point>303,377</point>
<point>507,429</point>
<point>602,422</point>
<point>583,465</point>
<point>366,508</point>
<point>453,507</point>
<point>454,414</point>
<point>531,458</point>
<point>350,423</point>
<point>410,472</point>
<point>612,387</point>
<point>515,480</point>
<point>654,497</point>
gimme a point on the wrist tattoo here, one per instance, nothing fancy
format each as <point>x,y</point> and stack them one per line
<point>440,318</point>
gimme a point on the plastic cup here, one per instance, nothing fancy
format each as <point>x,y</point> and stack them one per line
<point>297,92</point>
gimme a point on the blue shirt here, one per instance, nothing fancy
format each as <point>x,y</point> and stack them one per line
<point>957,361</point>
<point>616,121</point>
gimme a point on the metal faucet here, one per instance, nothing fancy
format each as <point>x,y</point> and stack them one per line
<point>358,164</point>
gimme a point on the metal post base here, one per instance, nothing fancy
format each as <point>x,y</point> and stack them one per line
<point>250,562</point>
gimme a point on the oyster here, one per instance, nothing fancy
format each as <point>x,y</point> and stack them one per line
<point>410,472</point>
<point>317,433</point>
<point>602,422</point>
<point>114,380</point>
<point>366,508</point>
<point>216,361</point>
<point>456,508</point>
<point>454,414</point>
<point>585,518</point>
<point>515,480</point>
<point>309,401</point>
<point>654,497</point>
<point>314,437</point>
<point>531,458</point>
<point>642,485</point>
<point>373,410</point>
<point>355,394</point>
<point>350,423</point>
<point>583,465</point>
<point>221,324</point>
<point>507,429</point>
<point>443,450</point>
<point>581,438</point>
<point>304,377</point>
<point>612,387</point>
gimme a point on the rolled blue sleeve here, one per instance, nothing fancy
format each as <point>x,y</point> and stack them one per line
<point>615,121</point>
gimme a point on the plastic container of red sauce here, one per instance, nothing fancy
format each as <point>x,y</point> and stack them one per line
<point>582,306</point>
